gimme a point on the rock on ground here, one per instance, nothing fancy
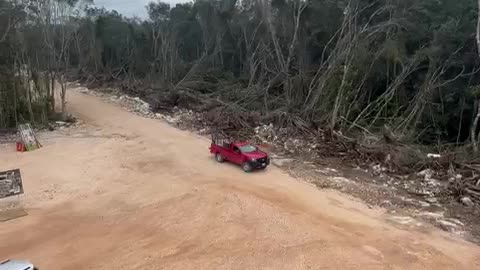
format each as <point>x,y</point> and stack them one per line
<point>467,201</point>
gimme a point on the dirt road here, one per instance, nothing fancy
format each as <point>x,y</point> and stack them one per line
<point>125,192</point>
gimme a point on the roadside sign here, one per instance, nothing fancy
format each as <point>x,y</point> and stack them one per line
<point>28,137</point>
<point>10,183</point>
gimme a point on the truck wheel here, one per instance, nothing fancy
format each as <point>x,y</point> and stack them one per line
<point>219,158</point>
<point>246,167</point>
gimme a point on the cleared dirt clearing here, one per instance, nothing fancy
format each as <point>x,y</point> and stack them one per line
<point>125,192</point>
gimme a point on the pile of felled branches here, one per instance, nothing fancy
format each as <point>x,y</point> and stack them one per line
<point>465,181</point>
<point>232,123</point>
<point>8,135</point>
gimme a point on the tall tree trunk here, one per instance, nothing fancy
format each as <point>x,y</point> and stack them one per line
<point>63,93</point>
<point>478,28</point>
<point>338,99</point>
<point>29,97</point>
<point>473,129</point>
<point>52,92</point>
<point>15,109</point>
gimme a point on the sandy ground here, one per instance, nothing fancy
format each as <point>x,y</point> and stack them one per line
<point>125,192</point>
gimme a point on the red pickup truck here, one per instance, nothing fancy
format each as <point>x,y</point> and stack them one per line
<point>241,153</point>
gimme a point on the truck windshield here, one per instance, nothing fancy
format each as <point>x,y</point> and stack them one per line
<point>247,148</point>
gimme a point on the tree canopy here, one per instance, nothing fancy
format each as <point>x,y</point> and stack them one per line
<point>349,65</point>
